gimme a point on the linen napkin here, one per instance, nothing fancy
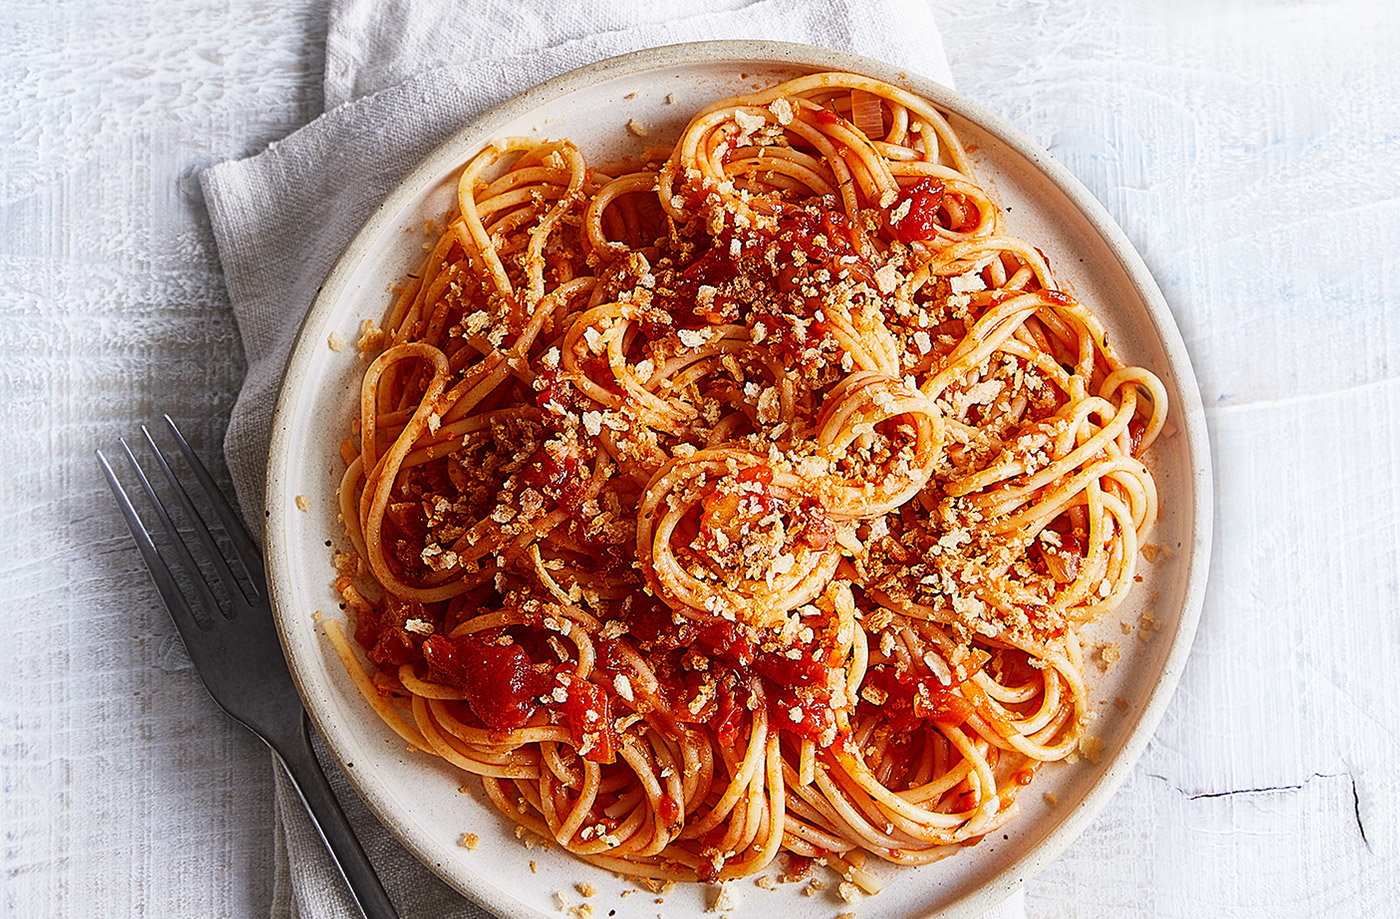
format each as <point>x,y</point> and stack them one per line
<point>401,77</point>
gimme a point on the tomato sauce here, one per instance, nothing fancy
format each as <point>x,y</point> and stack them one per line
<point>589,716</point>
<point>807,240</point>
<point>668,810</point>
<point>920,221</point>
<point>553,388</point>
<point>733,663</point>
<point>499,681</point>
<point>913,698</point>
<point>383,636</point>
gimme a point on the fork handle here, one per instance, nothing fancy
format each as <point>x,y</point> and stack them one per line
<point>315,790</point>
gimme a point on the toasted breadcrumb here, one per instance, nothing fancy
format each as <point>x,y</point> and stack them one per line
<point>1108,655</point>
<point>718,899</point>
<point>371,337</point>
<point>528,837</point>
<point>1156,554</point>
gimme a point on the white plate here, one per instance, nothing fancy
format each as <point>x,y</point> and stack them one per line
<point>417,796</point>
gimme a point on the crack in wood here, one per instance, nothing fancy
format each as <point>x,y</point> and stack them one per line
<point>1356,811</point>
<point>1196,796</point>
<point>1355,794</point>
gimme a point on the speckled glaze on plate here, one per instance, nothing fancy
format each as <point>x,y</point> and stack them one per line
<point>417,796</point>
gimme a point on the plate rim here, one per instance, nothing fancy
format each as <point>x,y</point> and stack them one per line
<point>481,131</point>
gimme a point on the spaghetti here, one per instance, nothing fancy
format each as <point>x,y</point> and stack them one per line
<point>747,500</point>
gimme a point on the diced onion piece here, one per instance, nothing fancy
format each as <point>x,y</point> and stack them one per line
<point>1063,568</point>
<point>866,113</point>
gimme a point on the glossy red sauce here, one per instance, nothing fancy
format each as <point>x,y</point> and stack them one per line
<point>553,388</point>
<point>381,633</point>
<point>721,509</point>
<point>824,237</point>
<point>713,268</point>
<point>823,240</point>
<point>504,684</point>
<point>735,663</point>
<point>1136,428</point>
<point>499,681</point>
<point>798,867</point>
<point>564,483</point>
<point>668,809</point>
<point>763,475</point>
<point>562,480</point>
<point>912,698</point>
<point>953,328</point>
<point>807,520</point>
<point>818,530</point>
<point>681,305</point>
<point>920,222</point>
<point>589,716</point>
<point>406,520</point>
<point>406,525</point>
<point>549,473</point>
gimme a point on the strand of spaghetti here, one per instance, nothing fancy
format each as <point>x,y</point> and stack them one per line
<point>770,810</point>
<point>753,757</point>
<point>438,743</point>
<point>362,682</point>
<point>924,112</point>
<point>631,183</point>
<point>476,240</point>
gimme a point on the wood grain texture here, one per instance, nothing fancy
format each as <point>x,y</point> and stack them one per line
<point>1250,150</point>
<point>125,791</point>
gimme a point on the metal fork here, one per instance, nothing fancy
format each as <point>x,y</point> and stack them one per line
<point>237,653</point>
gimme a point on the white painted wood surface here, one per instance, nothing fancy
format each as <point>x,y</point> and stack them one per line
<point>1250,150</point>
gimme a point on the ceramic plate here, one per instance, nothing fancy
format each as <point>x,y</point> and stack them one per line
<point>417,796</point>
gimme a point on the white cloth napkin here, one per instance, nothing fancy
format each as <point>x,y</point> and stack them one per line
<point>401,76</point>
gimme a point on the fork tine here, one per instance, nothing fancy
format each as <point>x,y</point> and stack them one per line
<point>207,600</point>
<point>201,528</point>
<point>164,579</point>
<point>243,543</point>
